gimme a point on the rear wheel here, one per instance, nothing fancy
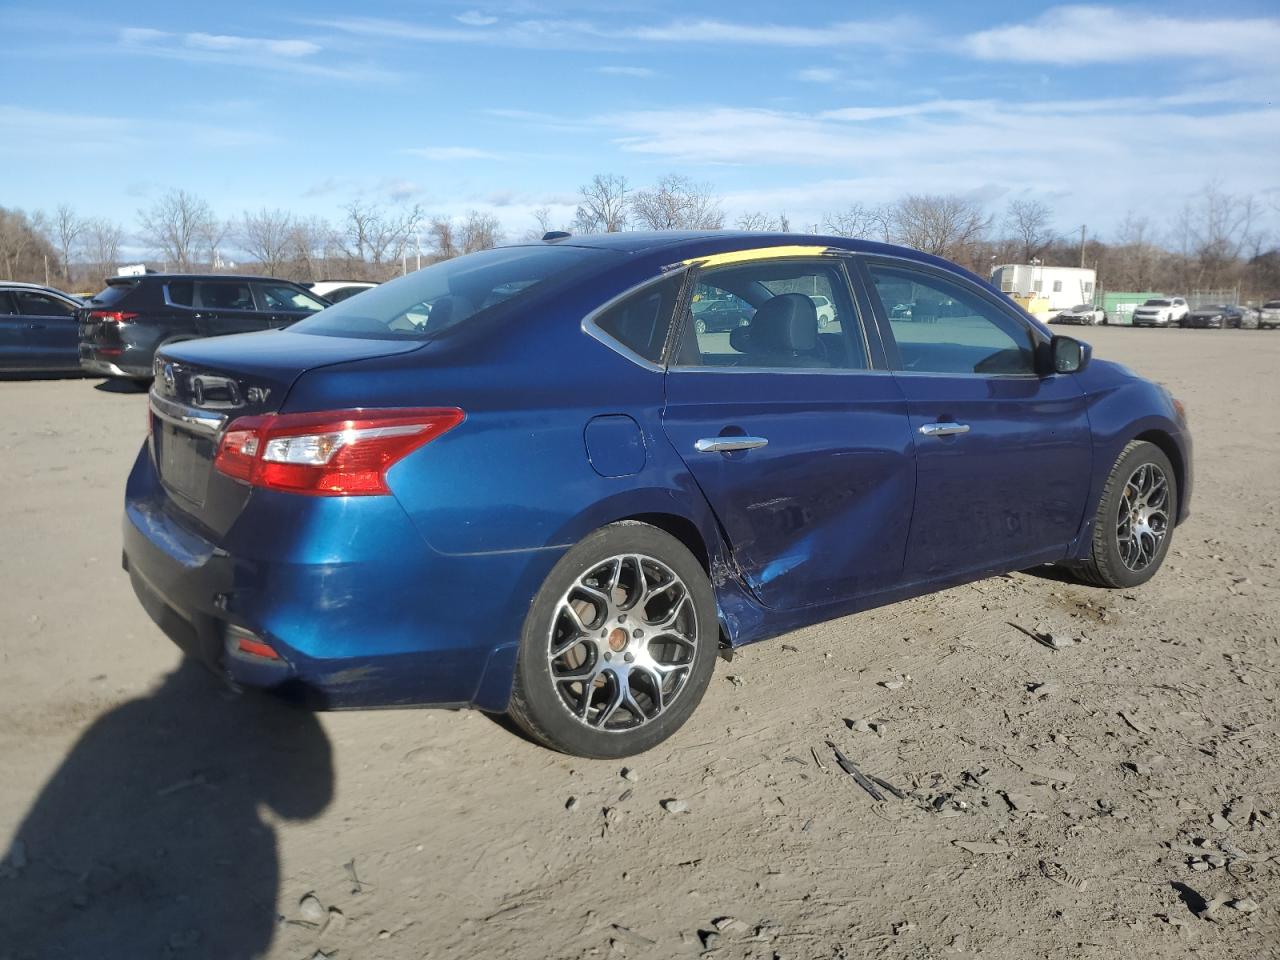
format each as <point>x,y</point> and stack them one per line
<point>1135,519</point>
<point>619,644</point>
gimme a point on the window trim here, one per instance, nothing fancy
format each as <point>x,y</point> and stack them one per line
<point>1039,338</point>
<point>592,329</point>
<point>842,266</point>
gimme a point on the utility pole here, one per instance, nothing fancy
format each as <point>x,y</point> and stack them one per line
<point>1082,226</point>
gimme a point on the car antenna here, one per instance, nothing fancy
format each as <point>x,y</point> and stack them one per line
<point>552,235</point>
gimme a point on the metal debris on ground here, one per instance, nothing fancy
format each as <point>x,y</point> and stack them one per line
<point>1059,875</point>
<point>869,784</point>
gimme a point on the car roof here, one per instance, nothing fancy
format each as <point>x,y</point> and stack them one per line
<point>23,285</point>
<point>690,244</point>
<point>196,276</point>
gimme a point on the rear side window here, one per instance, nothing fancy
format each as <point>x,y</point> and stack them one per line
<point>182,293</point>
<point>6,304</point>
<point>114,293</point>
<point>943,327</point>
<point>641,321</point>
<point>223,295</point>
<point>448,294</point>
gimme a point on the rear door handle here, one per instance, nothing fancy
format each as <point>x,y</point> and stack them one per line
<point>945,429</point>
<point>728,444</point>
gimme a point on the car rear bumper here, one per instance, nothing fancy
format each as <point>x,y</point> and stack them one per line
<point>99,364</point>
<point>359,609</point>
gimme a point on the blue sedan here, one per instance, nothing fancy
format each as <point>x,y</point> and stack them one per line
<point>524,480</point>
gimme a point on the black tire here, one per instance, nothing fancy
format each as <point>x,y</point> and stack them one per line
<point>1107,567</point>
<point>549,716</point>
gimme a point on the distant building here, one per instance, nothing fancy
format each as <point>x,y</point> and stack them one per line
<point>1061,287</point>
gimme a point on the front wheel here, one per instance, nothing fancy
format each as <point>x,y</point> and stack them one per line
<point>700,326</point>
<point>619,644</point>
<point>1135,519</point>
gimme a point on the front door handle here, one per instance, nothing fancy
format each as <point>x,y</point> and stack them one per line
<point>945,429</point>
<point>728,444</point>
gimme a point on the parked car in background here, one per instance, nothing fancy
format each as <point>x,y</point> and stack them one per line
<point>335,291</point>
<point>123,325</point>
<point>720,314</point>
<point>556,495</point>
<point>38,329</point>
<point>1160,312</point>
<point>1269,315</point>
<point>1083,313</point>
<point>1214,316</point>
<point>826,311</point>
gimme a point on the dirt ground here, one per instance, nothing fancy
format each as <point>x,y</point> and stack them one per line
<point>1115,797</point>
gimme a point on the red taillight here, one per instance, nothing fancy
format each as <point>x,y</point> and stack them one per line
<point>111,316</point>
<point>337,453</point>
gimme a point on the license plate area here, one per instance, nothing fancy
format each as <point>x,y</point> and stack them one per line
<point>185,460</point>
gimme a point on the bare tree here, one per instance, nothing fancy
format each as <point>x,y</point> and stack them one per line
<point>67,230</point>
<point>859,222</point>
<point>480,231</point>
<point>677,203</point>
<point>179,225</point>
<point>1029,223</point>
<point>603,205</point>
<point>24,247</point>
<point>1215,228</point>
<point>759,220</point>
<point>945,225</point>
<point>373,240</point>
<point>267,236</point>
<point>309,244</point>
<point>442,238</point>
<point>102,239</point>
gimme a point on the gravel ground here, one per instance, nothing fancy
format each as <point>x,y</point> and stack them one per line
<point>1116,796</point>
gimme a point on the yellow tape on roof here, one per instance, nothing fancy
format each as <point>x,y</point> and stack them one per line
<point>758,253</point>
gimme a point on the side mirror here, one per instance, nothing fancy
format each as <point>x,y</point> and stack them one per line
<point>1066,355</point>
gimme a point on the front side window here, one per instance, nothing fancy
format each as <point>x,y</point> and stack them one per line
<point>943,327</point>
<point>640,322</point>
<point>223,295</point>
<point>282,296</point>
<point>40,305</point>
<point>773,314</point>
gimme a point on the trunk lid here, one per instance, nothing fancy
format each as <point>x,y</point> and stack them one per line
<point>202,386</point>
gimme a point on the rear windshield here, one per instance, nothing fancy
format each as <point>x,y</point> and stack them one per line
<point>113,293</point>
<point>1157,303</point>
<point>445,294</point>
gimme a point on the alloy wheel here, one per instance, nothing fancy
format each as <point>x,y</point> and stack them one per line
<point>622,643</point>
<point>1142,521</point>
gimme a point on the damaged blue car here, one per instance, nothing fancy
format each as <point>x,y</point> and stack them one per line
<point>526,479</point>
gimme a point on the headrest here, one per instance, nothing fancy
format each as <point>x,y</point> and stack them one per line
<point>787,322</point>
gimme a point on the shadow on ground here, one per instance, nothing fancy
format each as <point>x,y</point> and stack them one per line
<point>154,837</point>
<point>117,385</point>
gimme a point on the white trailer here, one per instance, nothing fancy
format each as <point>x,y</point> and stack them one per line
<point>1063,287</point>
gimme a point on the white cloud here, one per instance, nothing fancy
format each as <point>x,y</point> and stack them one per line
<point>257,45</point>
<point>452,153</point>
<point>818,75</point>
<point>625,71</point>
<point>894,32</point>
<point>1103,34</point>
<point>1106,155</point>
<point>474,18</point>
<point>26,132</point>
<point>279,54</point>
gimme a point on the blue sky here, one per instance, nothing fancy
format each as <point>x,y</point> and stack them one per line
<point>507,107</point>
